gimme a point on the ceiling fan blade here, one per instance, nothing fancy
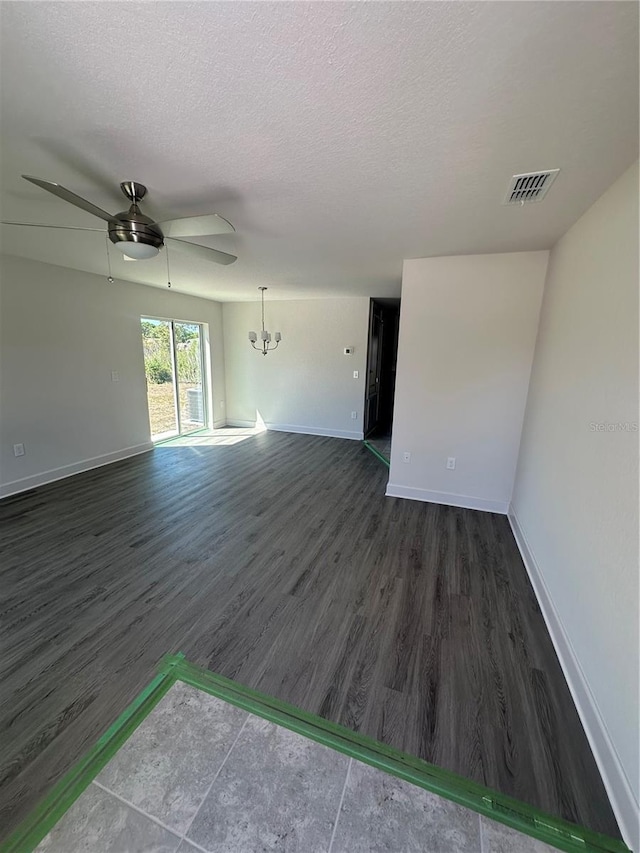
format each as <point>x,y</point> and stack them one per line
<point>45,225</point>
<point>203,252</point>
<point>196,226</point>
<point>72,198</point>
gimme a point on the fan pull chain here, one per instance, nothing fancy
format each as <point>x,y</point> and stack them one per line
<point>166,249</point>
<point>110,277</point>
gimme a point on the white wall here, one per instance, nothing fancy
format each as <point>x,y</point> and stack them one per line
<point>467,334</point>
<point>62,332</point>
<point>576,495</point>
<point>307,384</point>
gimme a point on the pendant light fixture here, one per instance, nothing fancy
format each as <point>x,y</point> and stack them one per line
<point>265,337</point>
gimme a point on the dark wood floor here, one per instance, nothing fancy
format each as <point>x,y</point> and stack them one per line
<point>278,562</point>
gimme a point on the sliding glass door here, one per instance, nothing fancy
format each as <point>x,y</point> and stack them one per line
<point>188,359</point>
<point>174,368</point>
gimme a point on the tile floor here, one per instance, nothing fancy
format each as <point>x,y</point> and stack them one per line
<point>202,775</point>
<point>382,445</point>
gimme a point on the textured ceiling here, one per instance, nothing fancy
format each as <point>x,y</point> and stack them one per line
<point>339,138</point>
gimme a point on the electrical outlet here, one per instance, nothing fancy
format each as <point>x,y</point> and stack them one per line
<point>356,374</point>
<point>18,449</point>
<point>406,456</point>
<point>115,376</point>
<point>451,462</point>
<point>354,416</point>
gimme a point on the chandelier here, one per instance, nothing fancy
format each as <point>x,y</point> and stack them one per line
<point>265,337</point>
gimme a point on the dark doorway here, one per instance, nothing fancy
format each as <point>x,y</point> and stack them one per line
<point>382,352</point>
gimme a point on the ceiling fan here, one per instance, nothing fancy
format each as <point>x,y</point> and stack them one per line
<point>136,235</point>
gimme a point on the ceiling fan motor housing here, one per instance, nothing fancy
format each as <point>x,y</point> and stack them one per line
<point>131,226</point>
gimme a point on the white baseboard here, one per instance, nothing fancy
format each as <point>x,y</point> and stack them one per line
<point>26,483</point>
<point>302,430</point>
<point>464,501</point>
<point>237,422</point>
<point>623,801</point>
<point>305,430</point>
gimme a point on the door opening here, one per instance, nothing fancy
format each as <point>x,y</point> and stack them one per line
<point>174,370</point>
<point>384,316</point>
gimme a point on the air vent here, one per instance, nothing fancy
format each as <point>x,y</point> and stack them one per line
<point>532,186</point>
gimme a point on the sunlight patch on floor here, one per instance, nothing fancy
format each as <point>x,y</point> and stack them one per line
<point>224,436</point>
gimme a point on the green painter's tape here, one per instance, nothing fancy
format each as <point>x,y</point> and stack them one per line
<point>47,813</point>
<point>377,453</point>
<point>553,831</point>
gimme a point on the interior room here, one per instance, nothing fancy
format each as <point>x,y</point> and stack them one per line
<point>319,426</point>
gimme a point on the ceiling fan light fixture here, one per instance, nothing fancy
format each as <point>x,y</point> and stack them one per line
<point>137,251</point>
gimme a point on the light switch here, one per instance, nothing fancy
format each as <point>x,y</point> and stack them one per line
<point>356,374</point>
<point>115,376</point>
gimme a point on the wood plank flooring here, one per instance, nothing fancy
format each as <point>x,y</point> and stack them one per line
<point>278,561</point>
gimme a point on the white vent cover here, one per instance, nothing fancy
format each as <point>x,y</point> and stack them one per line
<point>532,186</point>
